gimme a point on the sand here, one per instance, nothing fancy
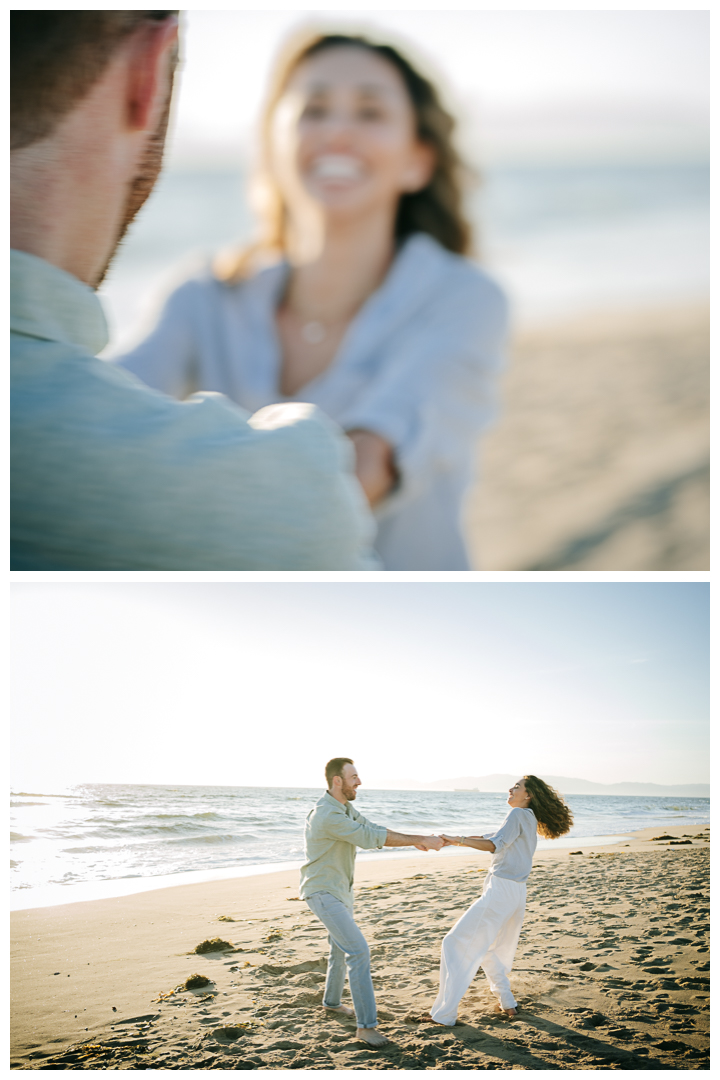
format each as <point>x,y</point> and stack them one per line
<point>611,970</point>
<point>599,460</point>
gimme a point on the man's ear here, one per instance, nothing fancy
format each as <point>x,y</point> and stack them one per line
<point>151,60</point>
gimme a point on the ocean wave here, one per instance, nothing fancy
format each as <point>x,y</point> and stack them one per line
<point>113,831</point>
<point>129,831</point>
<point>93,850</point>
<point>28,803</point>
<point>212,838</point>
<point>18,838</point>
<point>40,795</point>
<point>185,817</point>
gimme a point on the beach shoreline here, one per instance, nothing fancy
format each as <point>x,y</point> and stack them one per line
<point>111,888</point>
<point>92,981</point>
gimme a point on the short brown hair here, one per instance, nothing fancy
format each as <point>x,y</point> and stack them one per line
<point>335,768</point>
<point>55,59</point>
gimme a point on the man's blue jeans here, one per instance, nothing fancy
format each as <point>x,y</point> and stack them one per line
<point>349,953</point>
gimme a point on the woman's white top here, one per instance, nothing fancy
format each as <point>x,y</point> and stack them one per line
<point>515,842</point>
<point>418,366</point>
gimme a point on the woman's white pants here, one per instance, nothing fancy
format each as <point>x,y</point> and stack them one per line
<point>487,934</point>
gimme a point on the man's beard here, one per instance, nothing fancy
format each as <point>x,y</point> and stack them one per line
<point>349,793</point>
<point>142,183</point>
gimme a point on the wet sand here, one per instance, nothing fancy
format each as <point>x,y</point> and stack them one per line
<point>599,460</point>
<point>612,970</point>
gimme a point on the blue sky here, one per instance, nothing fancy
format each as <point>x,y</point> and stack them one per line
<point>262,683</point>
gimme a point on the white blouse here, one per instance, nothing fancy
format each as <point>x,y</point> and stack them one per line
<point>515,842</point>
<point>418,366</point>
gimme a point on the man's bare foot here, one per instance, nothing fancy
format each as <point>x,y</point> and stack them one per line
<point>426,1018</point>
<point>372,1037</point>
<point>339,1009</point>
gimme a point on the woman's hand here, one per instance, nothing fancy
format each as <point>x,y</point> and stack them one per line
<point>477,842</point>
<point>374,464</point>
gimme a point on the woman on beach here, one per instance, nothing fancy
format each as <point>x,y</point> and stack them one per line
<point>359,296</point>
<point>487,934</point>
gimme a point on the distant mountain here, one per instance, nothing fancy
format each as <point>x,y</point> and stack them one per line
<point>500,782</point>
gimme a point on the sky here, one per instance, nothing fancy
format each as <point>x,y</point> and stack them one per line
<point>597,77</point>
<point>260,684</point>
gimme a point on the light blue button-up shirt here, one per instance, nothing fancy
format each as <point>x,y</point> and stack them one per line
<point>110,475</point>
<point>333,832</point>
<point>515,842</point>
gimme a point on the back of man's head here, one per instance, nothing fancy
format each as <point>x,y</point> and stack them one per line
<point>55,59</point>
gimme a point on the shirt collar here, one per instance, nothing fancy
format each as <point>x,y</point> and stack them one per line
<point>332,801</point>
<point>49,303</point>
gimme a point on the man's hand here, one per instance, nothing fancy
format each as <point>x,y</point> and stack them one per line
<point>422,843</point>
<point>450,840</point>
<point>431,843</point>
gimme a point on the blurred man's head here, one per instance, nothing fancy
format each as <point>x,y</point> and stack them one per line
<point>59,62</point>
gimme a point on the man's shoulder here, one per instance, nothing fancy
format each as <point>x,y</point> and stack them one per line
<point>324,810</point>
<point>68,385</point>
<point>327,805</point>
<point>272,490</point>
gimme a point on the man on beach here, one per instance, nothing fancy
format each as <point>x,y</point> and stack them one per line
<point>107,474</point>
<point>333,830</point>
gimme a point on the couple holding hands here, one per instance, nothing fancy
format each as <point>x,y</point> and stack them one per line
<point>486,935</point>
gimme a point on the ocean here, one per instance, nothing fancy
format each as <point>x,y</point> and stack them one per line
<point>111,839</point>
<point>561,239</point>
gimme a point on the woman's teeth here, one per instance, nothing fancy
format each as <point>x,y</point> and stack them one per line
<point>336,167</point>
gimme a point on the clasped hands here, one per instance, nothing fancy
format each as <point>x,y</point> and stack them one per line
<point>435,843</point>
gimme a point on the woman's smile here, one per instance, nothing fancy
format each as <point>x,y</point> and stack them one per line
<point>336,167</point>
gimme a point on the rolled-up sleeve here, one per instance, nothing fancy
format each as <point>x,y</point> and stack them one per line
<point>507,833</point>
<point>437,390</point>
<point>359,831</point>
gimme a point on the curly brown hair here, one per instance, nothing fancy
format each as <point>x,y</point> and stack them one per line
<point>554,816</point>
<point>437,209</point>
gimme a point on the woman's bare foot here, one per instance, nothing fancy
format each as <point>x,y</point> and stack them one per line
<point>371,1036</point>
<point>426,1018</point>
<point>339,1009</point>
<point>507,1012</point>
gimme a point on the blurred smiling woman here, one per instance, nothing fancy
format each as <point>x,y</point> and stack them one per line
<point>358,296</point>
